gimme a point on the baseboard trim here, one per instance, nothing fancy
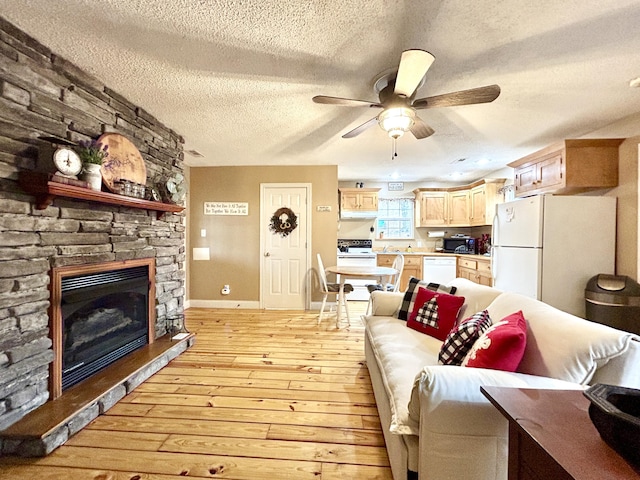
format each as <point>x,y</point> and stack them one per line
<point>250,304</point>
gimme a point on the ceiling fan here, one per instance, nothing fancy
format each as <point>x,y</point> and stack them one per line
<point>396,92</point>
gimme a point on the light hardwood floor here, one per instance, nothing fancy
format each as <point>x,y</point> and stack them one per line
<point>261,395</point>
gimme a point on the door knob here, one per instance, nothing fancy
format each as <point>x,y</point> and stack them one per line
<point>267,254</point>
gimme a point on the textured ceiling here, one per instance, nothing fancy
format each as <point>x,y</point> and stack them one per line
<point>236,78</point>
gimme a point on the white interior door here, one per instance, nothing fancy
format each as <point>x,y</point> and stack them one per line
<point>285,258</point>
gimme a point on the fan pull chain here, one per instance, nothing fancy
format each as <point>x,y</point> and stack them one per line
<point>394,152</point>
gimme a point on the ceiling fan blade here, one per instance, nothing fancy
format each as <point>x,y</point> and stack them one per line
<point>358,130</point>
<point>413,67</point>
<point>463,97</point>
<point>420,129</point>
<point>347,102</point>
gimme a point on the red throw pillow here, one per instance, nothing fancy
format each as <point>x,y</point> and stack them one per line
<point>434,313</point>
<point>462,337</point>
<point>501,346</point>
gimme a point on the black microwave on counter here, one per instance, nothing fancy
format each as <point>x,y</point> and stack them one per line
<point>459,245</point>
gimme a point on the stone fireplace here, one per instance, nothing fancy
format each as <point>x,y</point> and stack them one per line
<point>43,95</point>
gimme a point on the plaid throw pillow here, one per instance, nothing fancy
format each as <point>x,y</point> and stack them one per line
<point>412,291</point>
<point>428,313</point>
<point>462,337</point>
<point>438,312</point>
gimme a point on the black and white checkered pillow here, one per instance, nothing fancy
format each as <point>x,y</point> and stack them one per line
<point>428,314</point>
<point>412,292</point>
<point>462,337</point>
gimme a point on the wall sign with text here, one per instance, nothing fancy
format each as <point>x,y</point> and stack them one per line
<point>226,208</point>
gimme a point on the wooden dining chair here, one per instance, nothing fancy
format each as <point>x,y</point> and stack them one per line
<point>394,282</point>
<point>331,289</point>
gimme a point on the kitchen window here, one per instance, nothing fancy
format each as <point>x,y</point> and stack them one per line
<point>395,218</point>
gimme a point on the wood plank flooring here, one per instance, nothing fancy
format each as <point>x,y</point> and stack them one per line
<point>261,395</point>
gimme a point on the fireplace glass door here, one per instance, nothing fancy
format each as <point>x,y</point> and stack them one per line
<point>105,317</point>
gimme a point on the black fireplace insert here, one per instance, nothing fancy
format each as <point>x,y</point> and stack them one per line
<point>105,317</point>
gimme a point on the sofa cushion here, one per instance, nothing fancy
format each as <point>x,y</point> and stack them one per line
<point>434,313</point>
<point>412,291</point>
<point>400,354</point>
<point>501,347</point>
<point>561,345</point>
<point>462,337</point>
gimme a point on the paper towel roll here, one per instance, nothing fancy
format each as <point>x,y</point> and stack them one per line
<point>436,234</point>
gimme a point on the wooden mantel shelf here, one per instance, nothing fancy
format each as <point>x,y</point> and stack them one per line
<point>45,191</point>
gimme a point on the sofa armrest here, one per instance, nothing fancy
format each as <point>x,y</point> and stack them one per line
<point>385,304</point>
<point>447,399</point>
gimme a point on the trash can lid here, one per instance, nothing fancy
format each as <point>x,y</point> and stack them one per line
<point>614,290</point>
<point>611,283</point>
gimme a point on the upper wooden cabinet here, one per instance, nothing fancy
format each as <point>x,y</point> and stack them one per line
<point>458,208</point>
<point>432,208</point>
<point>483,199</point>
<point>462,206</point>
<point>571,166</point>
<point>358,201</point>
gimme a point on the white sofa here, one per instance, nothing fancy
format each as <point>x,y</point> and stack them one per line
<point>437,424</point>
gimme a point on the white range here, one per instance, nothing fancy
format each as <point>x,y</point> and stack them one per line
<point>357,252</point>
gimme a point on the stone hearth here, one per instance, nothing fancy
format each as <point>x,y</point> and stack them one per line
<point>45,429</point>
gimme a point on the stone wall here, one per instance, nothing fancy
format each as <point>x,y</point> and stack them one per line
<point>42,94</point>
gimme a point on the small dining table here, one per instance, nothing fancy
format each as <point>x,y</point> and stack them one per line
<point>357,272</point>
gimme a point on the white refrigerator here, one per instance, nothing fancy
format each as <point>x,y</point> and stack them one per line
<point>548,247</point>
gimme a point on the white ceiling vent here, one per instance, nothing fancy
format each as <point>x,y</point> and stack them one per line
<point>194,153</point>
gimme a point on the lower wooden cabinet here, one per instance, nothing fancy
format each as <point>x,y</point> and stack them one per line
<point>412,266</point>
<point>476,270</point>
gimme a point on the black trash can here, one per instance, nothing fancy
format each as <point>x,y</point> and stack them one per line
<point>614,300</point>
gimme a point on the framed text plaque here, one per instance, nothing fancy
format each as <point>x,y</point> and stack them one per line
<point>226,208</point>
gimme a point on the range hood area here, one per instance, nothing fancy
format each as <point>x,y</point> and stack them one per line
<point>359,215</point>
<point>358,203</point>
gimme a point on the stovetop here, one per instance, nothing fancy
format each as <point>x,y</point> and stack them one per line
<point>354,247</point>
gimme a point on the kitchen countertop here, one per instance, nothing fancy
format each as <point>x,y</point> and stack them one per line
<point>435,254</point>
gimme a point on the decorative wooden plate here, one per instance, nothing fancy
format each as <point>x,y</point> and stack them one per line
<point>124,161</point>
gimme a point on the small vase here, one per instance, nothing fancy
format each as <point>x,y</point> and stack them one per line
<point>92,175</point>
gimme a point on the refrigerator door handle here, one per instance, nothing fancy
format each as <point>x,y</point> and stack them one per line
<point>494,265</point>
<point>494,250</point>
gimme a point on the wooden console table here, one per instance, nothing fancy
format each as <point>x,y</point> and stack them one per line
<point>551,437</point>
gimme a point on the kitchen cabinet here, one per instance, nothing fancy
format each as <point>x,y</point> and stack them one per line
<point>567,167</point>
<point>477,270</point>
<point>458,208</point>
<point>412,266</point>
<point>483,198</point>
<point>358,201</point>
<point>432,209</point>
<point>462,206</point>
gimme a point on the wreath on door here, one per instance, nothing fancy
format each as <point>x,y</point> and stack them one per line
<point>283,221</point>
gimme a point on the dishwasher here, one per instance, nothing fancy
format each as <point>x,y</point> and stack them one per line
<point>439,269</point>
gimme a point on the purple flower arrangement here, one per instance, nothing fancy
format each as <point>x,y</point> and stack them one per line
<point>92,151</point>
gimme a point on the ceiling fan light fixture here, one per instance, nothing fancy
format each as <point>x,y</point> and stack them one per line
<point>396,121</point>
<point>395,132</point>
